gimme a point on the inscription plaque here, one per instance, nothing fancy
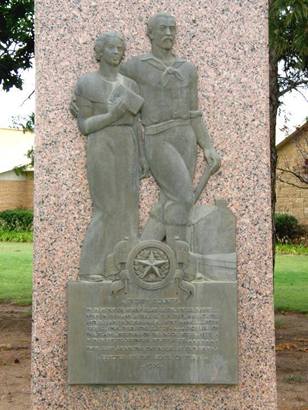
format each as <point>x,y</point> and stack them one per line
<point>152,337</point>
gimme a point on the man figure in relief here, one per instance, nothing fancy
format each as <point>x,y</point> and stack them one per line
<point>173,127</point>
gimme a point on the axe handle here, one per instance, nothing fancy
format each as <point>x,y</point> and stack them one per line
<point>202,183</point>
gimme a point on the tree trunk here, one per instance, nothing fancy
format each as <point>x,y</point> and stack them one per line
<point>274,103</point>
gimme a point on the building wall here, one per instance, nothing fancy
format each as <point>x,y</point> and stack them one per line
<point>16,193</point>
<point>293,199</point>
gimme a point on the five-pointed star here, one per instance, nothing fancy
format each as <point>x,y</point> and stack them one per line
<point>152,265</point>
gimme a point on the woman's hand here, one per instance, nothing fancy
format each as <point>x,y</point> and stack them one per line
<point>118,110</point>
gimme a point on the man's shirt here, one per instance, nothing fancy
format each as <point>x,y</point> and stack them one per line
<point>169,92</point>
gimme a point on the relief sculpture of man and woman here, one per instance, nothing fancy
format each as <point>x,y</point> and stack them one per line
<point>139,117</point>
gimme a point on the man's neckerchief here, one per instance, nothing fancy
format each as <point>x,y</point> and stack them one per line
<point>167,71</point>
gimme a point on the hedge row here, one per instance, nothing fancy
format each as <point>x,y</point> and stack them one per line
<point>17,220</point>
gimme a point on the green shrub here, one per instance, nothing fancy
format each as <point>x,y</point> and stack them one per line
<point>18,220</point>
<point>14,236</point>
<point>286,228</point>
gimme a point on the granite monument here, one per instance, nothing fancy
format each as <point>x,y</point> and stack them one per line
<point>117,330</point>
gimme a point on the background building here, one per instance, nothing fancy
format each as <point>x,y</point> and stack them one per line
<point>16,191</point>
<point>292,175</point>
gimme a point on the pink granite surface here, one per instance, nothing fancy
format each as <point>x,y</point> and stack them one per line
<point>227,40</point>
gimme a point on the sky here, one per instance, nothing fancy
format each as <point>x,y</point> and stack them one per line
<point>293,113</point>
<point>14,103</point>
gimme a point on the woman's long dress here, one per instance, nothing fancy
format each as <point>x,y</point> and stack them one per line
<point>112,169</point>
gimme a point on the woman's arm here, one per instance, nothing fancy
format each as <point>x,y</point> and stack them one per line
<point>89,123</point>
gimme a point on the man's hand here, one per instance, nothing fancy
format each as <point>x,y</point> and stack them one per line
<point>144,167</point>
<point>74,108</point>
<point>213,159</point>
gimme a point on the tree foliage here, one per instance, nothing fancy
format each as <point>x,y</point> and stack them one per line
<point>288,25</point>
<point>16,40</point>
<point>27,125</point>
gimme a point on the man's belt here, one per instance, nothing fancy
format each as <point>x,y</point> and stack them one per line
<point>164,126</point>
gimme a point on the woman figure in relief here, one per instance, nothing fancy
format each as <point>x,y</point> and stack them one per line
<point>106,103</point>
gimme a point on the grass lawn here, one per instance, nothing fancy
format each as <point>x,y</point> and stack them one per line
<point>291,283</point>
<point>291,277</point>
<point>16,272</point>
<point>290,249</point>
